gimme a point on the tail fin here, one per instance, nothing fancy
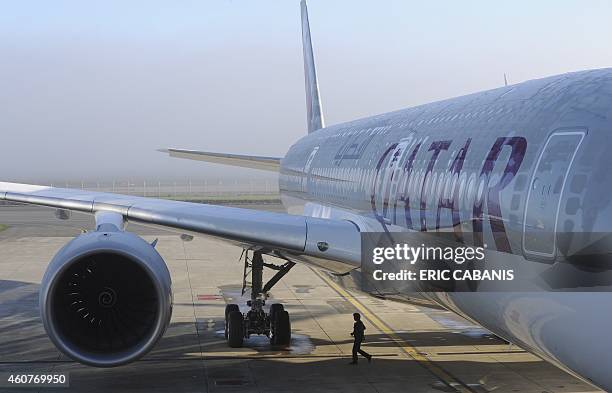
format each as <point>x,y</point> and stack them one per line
<point>313,102</point>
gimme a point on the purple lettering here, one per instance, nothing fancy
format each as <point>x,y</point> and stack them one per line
<point>519,147</point>
<point>453,201</point>
<point>375,183</point>
<point>405,197</point>
<point>437,147</point>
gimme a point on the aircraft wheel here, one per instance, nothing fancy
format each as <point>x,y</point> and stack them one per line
<point>276,307</point>
<point>282,329</point>
<point>228,309</point>
<point>235,329</point>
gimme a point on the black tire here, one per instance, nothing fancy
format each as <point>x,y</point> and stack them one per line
<point>228,309</point>
<point>276,307</point>
<point>274,310</point>
<point>282,331</point>
<point>235,329</point>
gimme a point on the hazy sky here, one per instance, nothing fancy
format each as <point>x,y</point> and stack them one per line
<point>92,89</point>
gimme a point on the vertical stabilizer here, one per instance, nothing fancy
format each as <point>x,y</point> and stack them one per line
<point>313,102</point>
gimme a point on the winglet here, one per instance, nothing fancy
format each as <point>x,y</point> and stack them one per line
<point>313,102</point>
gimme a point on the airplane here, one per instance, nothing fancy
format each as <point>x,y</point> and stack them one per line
<point>518,166</point>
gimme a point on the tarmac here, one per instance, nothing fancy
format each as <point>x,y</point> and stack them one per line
<point>415,348</point>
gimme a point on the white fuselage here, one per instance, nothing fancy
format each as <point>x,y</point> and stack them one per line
<point>512,168</point>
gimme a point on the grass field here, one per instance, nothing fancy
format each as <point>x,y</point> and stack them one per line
<point>3,227</point>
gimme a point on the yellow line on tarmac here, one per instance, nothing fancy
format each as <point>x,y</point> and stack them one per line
<point>436,370</point>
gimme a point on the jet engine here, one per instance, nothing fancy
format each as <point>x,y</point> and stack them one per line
<point>106,298</point>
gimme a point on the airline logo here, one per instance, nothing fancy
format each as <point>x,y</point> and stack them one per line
<point>396,167</point>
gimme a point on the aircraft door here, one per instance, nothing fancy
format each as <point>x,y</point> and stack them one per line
<point>545,192</point>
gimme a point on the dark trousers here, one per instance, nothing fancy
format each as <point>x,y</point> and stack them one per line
<point>357,349</point>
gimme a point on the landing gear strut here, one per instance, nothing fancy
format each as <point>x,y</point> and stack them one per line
<point>275,324</point>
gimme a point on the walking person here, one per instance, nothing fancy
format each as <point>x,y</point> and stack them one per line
<point>358,334</point>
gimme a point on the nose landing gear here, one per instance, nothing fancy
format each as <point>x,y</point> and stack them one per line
<point>275,324</point>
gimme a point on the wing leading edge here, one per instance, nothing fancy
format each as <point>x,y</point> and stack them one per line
<point>278,233</point>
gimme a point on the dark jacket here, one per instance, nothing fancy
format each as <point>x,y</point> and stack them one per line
<point>359,330</point>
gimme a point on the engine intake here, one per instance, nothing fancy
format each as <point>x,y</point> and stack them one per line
<point>106,298</point>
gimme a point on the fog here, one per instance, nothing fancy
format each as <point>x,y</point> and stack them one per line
<point>91,90</point>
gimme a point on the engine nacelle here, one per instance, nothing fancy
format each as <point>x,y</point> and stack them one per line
<point>106,298</point>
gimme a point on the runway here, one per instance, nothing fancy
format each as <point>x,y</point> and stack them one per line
<point>416,349</point>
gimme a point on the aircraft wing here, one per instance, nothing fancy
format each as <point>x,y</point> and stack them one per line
<point>291,236</point>
<point>254,162</point>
